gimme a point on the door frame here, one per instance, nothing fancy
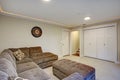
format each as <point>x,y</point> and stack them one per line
<point>80,29</point>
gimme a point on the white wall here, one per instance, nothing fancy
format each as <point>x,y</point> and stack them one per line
<point>16,32</point>
<point>75,41</point>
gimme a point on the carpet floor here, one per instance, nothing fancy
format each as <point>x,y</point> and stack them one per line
<point>104,70</point>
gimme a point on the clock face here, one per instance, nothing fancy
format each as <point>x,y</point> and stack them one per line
<point>36,31</point>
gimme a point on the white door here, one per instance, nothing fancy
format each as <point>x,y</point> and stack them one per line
<point>100,52</point>
<point>110,43</point>
<point>101,43</point>
<point>65,43</point>
<point>90,43</point>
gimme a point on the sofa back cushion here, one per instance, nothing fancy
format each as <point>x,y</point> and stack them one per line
<point>35,51</point>
<point>7,67</point>
<point>9,56</point>
<point>25,50</point>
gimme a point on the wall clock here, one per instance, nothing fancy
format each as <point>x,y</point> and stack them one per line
<point>36,31</point>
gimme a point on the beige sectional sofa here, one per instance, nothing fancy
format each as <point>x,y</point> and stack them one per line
<point>11,69</point>
<point>43,59</point>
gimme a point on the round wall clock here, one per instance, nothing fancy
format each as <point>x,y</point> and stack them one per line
<point>36,31</point>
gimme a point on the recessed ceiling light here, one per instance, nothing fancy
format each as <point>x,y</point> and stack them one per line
<point>46,0</point>
<point>87,18</point>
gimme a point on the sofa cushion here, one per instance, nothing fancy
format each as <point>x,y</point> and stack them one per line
<point>45,57</point>
<point>46,64</point>
<point>49,56</point>
<point>25,60</point>
<point>26,66</point>
<point>8,55</point>
<point>35,51</point>
<point>19,55</point>
<point>39,60</point>
<point>25,50</point>
<point>3,76</point>
<point>35,74</point>
<point>36,56</point>
<point>7,67</point>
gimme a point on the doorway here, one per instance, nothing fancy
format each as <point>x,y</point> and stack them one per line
<point>75,43</point>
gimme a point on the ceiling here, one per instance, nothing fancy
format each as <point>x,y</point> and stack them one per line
<point>69,13</point>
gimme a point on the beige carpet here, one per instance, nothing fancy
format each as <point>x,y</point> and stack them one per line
<point>104,70</point>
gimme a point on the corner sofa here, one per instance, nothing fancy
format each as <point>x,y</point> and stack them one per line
<point>25,69</point>
<point>9,70</point>
<point>43,59</point>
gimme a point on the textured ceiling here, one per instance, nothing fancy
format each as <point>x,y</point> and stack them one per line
<point>70,13</point>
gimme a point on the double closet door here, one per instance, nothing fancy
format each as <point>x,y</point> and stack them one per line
<point>101,43</point>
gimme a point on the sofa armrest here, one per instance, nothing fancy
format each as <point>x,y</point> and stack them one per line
<point>74,76</point>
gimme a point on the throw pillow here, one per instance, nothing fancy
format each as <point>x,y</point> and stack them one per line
<point>19,55</point>
<point>16,78</point>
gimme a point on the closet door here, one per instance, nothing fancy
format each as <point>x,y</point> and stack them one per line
<point>90,43</point>
<point>100,43</point>
<point>110,43</point>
